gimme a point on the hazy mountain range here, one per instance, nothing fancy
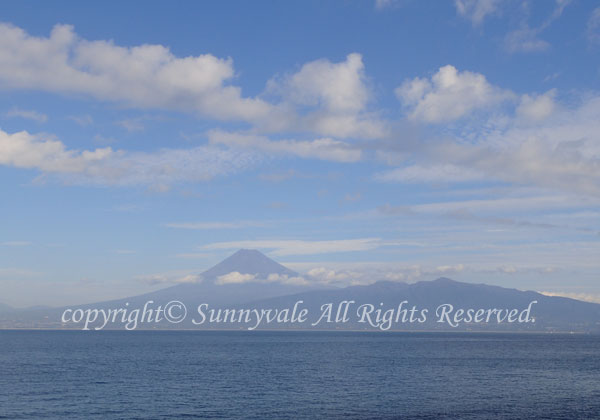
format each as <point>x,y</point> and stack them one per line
<point>250,280</point>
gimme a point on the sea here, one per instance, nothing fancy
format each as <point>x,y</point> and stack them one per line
<point>297,375</point>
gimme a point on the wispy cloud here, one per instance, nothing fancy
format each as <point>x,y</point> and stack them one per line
<point>587,297</point>
<point>27,114</point>
<point>533,139</point>
<point>105,166</point>
<point>135,124</point>
<point>297,247</point>
<point>100,139</point>
<point>11,272</point>
<point>322,148</point>
<point>476,10</point>
<point>281,176</point>
<point>436,173</point>
<point>383,4</point>
<point>132,124</point>
<point>15,243</point>
<point>593,26</point>
<point>526,38</point>
<point>125,251</point>
<point>170,277</point>
<point>353,197</point>
<point>215,225</point>
<point>368,273</point>
<point>510,204</point>
<point>195,255</point>
<point>82,120</point>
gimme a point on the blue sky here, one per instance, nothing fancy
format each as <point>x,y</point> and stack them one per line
<point>351,140</point>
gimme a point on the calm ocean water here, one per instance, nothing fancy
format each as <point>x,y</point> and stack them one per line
<point>294,375</point>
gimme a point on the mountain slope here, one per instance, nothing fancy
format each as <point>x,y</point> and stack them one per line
<point>551,313</point>
<point>248,279</point>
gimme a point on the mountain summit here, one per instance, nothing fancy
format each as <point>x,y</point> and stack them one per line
<point>237,289</point>
<point>247,261</point>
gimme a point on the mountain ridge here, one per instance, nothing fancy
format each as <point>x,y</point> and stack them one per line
<point>257,288</point>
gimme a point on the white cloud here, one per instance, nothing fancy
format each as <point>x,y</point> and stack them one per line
<point>562,152</point>
<point>323,148</point>
<point>106,166</point>
<point>586,297</point>
<point>544,143</point>
<point>441,173</point>
<point>449,95</point>
<point>368,273</point>
<point>298,247</point>
<point>27,114</point>
<point>146,76</point>
<point>331,98</point>
<point>285,279</point>
<point>326,98</point>
<point>537,107</point>
<point>476,10</point>
<point>330,276</point>
<point>508,269</point>
<point>23,150</point>
<point>337,87</point>
<point>236,277</point>
<point>450,269</point>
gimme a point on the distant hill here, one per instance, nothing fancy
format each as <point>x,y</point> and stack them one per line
<point>551,313</point>
<point>250,280</point>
